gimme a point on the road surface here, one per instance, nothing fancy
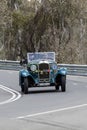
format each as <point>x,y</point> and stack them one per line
<point>42,108</point>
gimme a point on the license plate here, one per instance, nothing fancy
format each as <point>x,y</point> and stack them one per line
<point>44,84</point>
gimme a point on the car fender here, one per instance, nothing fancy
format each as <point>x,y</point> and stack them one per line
<point>62,71</point>
<point>24,73</point>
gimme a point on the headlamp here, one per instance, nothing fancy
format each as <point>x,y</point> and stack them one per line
<point>33,67</point>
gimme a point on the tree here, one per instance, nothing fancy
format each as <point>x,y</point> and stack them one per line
<point>49,25</point>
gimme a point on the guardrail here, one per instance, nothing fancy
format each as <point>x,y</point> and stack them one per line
<point>72,69</point>
<point>10,65</point>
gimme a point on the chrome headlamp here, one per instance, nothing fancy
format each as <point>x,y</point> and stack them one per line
<point>33,67</point>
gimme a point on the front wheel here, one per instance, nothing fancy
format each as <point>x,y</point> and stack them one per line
<point>63,83</point>
<point>57,87</point>
<point>25,85</point>
<point>22,88</point>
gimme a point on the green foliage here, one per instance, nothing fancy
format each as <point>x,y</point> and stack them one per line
<point>53,25</point>
<point>19,20</point>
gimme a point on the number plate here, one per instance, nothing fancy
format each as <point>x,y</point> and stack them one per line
<point>44,84</point>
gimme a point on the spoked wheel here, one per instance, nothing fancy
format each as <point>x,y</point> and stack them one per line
<point>63,83</point>
<point>25,86</point>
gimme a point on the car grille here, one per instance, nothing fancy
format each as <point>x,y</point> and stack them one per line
<point>44,72</point>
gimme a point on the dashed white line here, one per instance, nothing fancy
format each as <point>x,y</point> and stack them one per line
<point>15,95</point>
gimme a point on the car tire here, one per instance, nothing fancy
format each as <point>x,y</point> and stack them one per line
<point>63,83</point>
<point>25,85</point>
<point>57,87</point>
<point>22,89</point>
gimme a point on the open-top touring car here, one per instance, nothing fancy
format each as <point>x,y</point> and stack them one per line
<point>41,70</point>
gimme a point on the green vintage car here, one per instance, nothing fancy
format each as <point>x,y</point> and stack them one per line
<point>41,71</point>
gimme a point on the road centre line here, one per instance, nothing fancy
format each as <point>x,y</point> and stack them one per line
<point>9,100</point>
<point>15,95</point>
<point>53,111</point>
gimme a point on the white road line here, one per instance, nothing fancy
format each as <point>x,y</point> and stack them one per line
<point>9,100</point>
<point>53,111</point>
<point>15,95</point>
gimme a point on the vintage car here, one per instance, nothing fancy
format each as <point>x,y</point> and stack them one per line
<point>41,70</point>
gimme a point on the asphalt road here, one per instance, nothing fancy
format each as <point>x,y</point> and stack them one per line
<point>42,108</point>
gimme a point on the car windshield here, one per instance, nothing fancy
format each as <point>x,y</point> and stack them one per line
<point>41,56</point>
